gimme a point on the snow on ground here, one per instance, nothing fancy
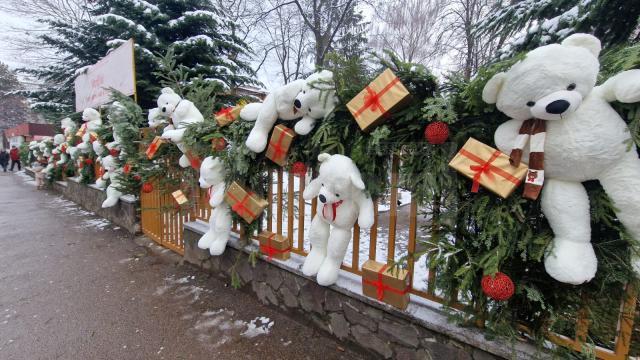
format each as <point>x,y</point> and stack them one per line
<point>27,179</point>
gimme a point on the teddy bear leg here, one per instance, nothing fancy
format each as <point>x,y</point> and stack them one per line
<point>113,196</point>
<point>570,258</point>
<point>184,161</point>
<point>221,232</point>
<point>304,125</point>
<point>206,239</point>
<point>318,235</point>
<point>621,183</point>
<point>338,243</point>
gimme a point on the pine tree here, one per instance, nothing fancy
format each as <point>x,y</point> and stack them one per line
<point>200,34</point>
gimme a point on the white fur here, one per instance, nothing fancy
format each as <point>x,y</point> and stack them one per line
<point>338,179</point>
<point>111,172</point>
<point>182,113</point>
<point>212,174</point>
<point>585,142</point>
<point>316,100</point>
<point>92,121</point>
<point>279,104</point>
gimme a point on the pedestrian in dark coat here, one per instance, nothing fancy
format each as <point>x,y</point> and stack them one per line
<point>4,159</point>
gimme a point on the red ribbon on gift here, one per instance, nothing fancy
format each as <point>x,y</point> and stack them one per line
<point>63,148</point>
<point>372,98</point>
<point>83,129</point>
<point>381,287</point>
<point>486,168</point>
<point>269,250</point>
<point>194,161</point>
<point>334,208</point>
<point>152,149</point>
<point>240,206</point>
<point>226,112</point>
<point>278,150</point>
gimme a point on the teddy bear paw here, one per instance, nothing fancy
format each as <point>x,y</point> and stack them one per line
<point>328,274</point>
<point>256,141</point>
<point>312,264</point>
<point>217,247</point>
<point>205,241</point>
<point>571,262</point>
<point>184,161</point>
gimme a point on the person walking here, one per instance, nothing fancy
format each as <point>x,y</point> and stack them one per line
<point>4,159</point>
<point>14,153</point>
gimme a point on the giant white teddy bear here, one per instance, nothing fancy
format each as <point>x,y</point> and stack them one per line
<point>92,121</point>
<point>212,174</point>
<point>341,201</point>
<point>182,113</point>
<point>309,99</point>
<point>111,172</point>
<point>585,140</point>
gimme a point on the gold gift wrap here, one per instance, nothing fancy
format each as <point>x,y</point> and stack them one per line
<point>279,144</point>
<point>383,96</point>
<point>389,286</point>
<point>488,167</point>
<point>228,115</point>
<point>180,197</point>
<point>245,203</point>
<point>155,145</point>
<point>274,245</point>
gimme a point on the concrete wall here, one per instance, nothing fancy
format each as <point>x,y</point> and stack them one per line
<point>420,332</point>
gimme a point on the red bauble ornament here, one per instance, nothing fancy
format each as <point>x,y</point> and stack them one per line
<point>147,187</point>
<point>218,144</point>
<point>114,152</point>
<point>436,133</point>
<point>88,161</point>
<point>499,287</point>
<point>299,168</point>
<point>137,177</point>
<point>126,168</point>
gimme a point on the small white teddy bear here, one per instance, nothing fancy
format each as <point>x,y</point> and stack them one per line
<point>60,148</point>
<point>586,139</point>
<point>182,113</point>
<point>341,201</point>
<point>92,121</point>
<point>283,103</point>
<point>212,174</point>
<point>111,172</point>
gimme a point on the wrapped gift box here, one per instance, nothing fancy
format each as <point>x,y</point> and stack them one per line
<point>383,96</point>
<point>391,287</point>
<point>245,203</point>
<point>180,197</point>
<point>281,139</point>
<point>194,160</point>
<point>155,145</point>
<point>274,245</point>
<point>228,115</point>
<point>488,167</point>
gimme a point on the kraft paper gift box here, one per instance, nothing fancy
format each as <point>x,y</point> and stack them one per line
<point>274,245</point>
<point>383,96</point>
<point>155,145</point>
<point>228,115</point>
<point>194,160</point>
<point>281,139</point>
<point>391,287</point>
<point>180,197</point>
<point>245,203</point>
<point>488,167</point>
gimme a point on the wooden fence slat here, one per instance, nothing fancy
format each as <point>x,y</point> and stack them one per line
<point>290,207</point>
<point>280,203</point>
<point>373,235</point>
<point>301,212</point>
<point>393,208</point>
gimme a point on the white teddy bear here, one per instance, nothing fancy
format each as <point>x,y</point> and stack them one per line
<point>60,148</point>
<point>157,119</point>
<point>342,201</point>
<point>182,113</point>
<point>585,140</point>
<point>212,174</point>
<point>111,172</point>
<point>92,121</point>
<point>281,104</point>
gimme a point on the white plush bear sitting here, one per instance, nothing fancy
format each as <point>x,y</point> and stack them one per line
<point>111,172</point>
<point>212,174</point>
<point>92,121</point>
<point>341,201</point>
<point>585,140</point>
<point>281,104</point>
<point>157,119</point>
<point>316,100</point>
<point>182,113</point>
<point>60,149</point>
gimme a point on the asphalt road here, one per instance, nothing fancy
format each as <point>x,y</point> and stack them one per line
<point>74,286</point>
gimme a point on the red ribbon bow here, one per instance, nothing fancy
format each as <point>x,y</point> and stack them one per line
<point>278,150</point>
<point>240,207</point>
<point>269,250</point>
<point>484,168</point>
<point>381,287</point>
<point>226,112</point>
<point>372,98</point>
<point>334,210</point>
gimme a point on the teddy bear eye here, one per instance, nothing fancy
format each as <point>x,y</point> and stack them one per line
<point>304,92</point>
<point>531,103</point>
<point>322,184</point>
<point>309,109</point>
<point>571,87</point>
<point>337,195</point>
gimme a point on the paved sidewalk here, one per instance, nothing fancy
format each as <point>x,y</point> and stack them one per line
<point>73,286</point>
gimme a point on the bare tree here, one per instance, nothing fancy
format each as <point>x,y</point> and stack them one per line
<point>70,11</point>
<point>407,28</point>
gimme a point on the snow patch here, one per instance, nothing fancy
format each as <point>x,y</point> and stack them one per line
<point>258,326</point>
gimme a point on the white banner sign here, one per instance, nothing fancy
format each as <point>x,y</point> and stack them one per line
<point>116,70</point>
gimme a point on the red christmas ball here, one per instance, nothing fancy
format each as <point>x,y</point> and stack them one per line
<point>298,168</point>
<point>114,152</point>
<point>126,168</point>
<point>499,287</point>
<point>147,187</point>
<point>436,133</point>
<point>218,144</point>
<point>88,161</point>
<point>137,177</point>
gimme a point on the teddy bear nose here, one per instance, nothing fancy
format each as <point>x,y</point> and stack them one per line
<point>164,109</point>
<point>322,198</point>
<point>557,107</point>
<point>297,104</point>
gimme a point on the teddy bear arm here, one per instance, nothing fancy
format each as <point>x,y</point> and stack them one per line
<point>365,212</point>
<point>305,125</point>
<point>623,87</point>
<point>174,135</point>
<point>312,190</point>
<point>217,197</point>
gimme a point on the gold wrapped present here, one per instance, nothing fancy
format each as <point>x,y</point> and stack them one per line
<point>245,203</point>
<point>383,96</point>
<point>274,246</point>
<point>228,115</point>
<point>194,160</point>
<point>281,139</point>
<point>155,145</point>
<point>386,285</point>
<point>180,197</point>
<point>488,167</point>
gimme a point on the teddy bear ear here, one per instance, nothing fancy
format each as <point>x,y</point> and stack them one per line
<point>493,87</point>
<point>357,181</point>
<point>167,90</point>
<point>323,157</point>
<point>586,41</point>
